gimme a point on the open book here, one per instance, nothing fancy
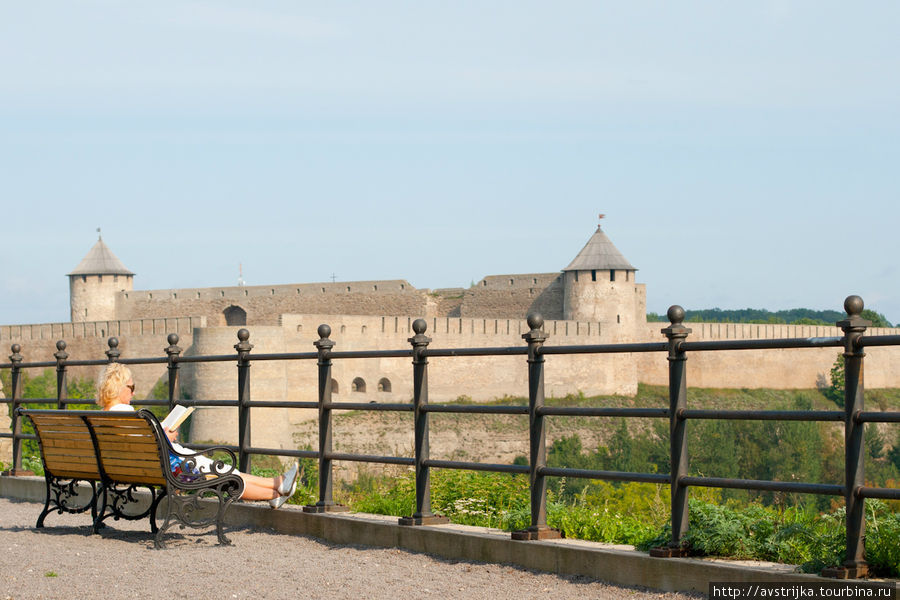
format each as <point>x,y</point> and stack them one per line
<point>175,418</point>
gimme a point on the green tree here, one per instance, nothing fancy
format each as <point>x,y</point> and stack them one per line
<point>835,392</point>
<point>877,319</point>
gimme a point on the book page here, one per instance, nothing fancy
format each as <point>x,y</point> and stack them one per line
<point>175,418</point>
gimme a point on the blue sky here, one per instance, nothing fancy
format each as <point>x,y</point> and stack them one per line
<point>746,155</point>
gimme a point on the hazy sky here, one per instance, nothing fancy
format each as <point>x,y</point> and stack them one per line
<point>745,154</point>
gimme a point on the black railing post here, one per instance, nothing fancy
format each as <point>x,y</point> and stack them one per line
<point>62,393</point>
<point>16,384</point>
<point>854,326</point>
<point>537,435</point>
<point>326,476</point>
<point>423,514</point>
<point>113,353</point>
<point>678,453</point>
<point>172,352</point>
<point>243,348</point>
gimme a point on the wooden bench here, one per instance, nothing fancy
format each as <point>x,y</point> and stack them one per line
<point>116,453</point>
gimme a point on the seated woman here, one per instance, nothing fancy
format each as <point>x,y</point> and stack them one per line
<point>116,392</point>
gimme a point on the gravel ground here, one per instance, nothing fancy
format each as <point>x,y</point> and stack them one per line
<point>63,560</point>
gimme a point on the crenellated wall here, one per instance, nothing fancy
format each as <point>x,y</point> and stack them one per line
<point>138,338</point>
<point>494,296</point>
<point>390,379</point>
<point>265,304</point>
<point>782,369</point>
<point>515,295</point>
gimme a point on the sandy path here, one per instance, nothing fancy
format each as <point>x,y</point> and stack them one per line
<point>63,560</point>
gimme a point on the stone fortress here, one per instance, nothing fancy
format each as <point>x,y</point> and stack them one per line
<point>595,299</point>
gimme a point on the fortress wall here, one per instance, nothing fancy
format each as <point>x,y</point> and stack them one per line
<point>494,296</point>
<point>265,304</point>
<point>91,329</point>
<point>449,305</point>
<point>218,381</point>
<point>522,281</point>
<point>138,338</point>
<point>515,295</point>
<point>785,369</point>
<point>481,378</point>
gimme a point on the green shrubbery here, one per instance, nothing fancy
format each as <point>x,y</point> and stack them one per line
<point>638,514</point>
<point>43,387</point>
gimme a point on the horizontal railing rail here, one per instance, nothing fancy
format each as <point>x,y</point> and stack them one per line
<point>854,417</point>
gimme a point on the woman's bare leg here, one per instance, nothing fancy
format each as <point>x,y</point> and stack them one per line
<point>260,488</point>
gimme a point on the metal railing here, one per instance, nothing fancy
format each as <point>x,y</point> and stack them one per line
<point>854,417</point>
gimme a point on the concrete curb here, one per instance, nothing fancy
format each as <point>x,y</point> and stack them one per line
<point>615,564</point>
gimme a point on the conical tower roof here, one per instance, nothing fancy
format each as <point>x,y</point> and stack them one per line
<point>100,261</point>
<point>599,253</point>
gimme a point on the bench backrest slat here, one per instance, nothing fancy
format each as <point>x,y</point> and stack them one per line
<point>67,446</point>
<point>128,449</point>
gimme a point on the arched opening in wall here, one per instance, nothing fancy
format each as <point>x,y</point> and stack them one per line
<point>235,315</point>
<point>334,387</point>
<point>358,385</point>
<point>384,384</point>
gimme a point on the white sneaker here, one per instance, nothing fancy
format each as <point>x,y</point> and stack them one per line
<point>289,481</point>
<point>277,502</point>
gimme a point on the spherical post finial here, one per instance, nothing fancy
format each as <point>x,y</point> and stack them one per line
<point>113,352</point>
<point>243,335</point>
<point>172,339</point>
<point>61,345</point>
<point>854,305</point>
<point>16,348</point>
<point>535,321</point>
<point>675,314</point>
<point>419,326</point>
<point>324,330</point>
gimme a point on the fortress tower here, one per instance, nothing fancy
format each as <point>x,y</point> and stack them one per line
<point>599,286</point>
<point>95,283</point>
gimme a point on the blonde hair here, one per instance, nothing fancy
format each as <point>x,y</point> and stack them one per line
<point>112,382</point>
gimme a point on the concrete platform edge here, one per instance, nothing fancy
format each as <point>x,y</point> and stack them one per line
<point>617,565</point>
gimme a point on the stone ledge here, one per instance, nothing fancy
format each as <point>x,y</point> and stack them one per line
<point>613,563</point>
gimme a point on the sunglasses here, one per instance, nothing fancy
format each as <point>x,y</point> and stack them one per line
<point>130,387</point>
